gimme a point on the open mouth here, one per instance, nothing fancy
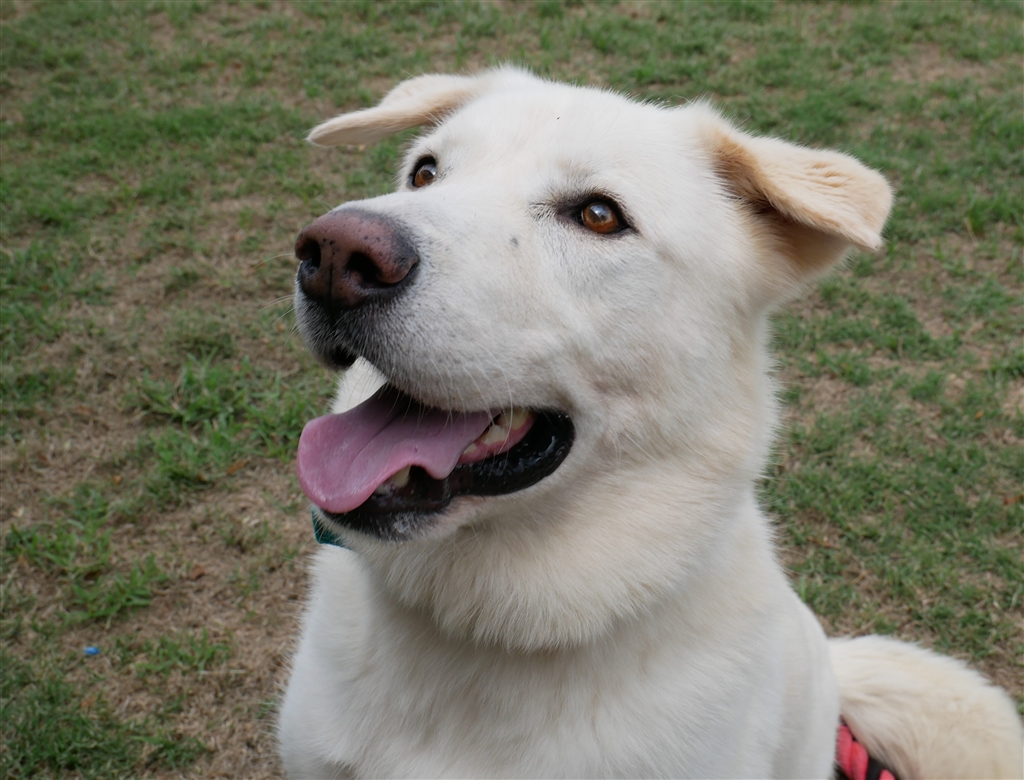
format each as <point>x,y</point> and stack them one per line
<point>385,466</point>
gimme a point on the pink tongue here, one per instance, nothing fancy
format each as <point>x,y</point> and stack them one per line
<point>343,458</point>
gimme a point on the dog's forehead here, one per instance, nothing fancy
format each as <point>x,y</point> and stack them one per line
<point>558,127</point>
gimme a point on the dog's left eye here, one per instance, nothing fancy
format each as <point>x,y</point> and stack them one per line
<point>600,216</point>
<point>424,172</point>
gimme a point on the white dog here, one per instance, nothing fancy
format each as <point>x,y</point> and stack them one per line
<point>545,476</point>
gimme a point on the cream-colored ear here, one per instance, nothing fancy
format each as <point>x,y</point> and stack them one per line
<point>813,204</point>
<point>424,100</point>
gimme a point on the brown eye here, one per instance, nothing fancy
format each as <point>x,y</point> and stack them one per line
<point>600,217</point>
<point>425,172</point>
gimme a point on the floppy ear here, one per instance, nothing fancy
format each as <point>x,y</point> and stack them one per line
<point>424,100</point>
<point>812,205</point>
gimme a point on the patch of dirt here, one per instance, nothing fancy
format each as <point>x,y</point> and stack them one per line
<point>13,10</point>
<point>163,33</point>
<point>824,392</point>
<point>928,65</point>
<point>1014,403</point>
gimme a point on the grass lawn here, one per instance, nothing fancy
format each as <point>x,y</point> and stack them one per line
<point>153,180</point>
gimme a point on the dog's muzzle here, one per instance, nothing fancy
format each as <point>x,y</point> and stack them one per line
<point>390,465</point>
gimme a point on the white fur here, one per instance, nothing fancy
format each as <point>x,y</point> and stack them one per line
<point>924,714</point>
<point>626,616</point>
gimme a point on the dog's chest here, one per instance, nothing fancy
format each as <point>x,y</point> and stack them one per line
<point>406,702</point>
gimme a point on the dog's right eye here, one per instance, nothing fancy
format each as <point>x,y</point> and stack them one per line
<point>599,217</point>
<point>424,172</point>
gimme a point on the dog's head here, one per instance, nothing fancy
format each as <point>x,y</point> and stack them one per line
<point>560,394</point>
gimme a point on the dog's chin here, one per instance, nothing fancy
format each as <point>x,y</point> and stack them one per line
<point>399,526</point>
<point>420,505</point>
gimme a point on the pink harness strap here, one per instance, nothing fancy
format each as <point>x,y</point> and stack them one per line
<point>853,761</point>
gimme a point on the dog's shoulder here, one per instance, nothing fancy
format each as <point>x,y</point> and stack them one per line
<point>339,606</point>
<point>334,634</point>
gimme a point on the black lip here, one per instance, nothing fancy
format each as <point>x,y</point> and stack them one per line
<point>402,513</point>
<point>340,358</point>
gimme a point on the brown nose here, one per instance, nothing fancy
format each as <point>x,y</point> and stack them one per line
<point>349,257</point>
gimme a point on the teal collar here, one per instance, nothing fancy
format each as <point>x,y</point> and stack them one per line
<point>323,534</point>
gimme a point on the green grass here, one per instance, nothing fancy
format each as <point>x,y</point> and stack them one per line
<point>215,415</point>
<point>75,550</point>
<point>920,520</point>
<point>53,727</point>
<point>153,180</point>
<point>184,652</point>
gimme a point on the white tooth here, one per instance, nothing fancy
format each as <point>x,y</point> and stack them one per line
<point>401,479</point>
<point>397,481</point>
<point>470,449</point>
<point>495,434</point>
<point>514,420</point>
<point>519,418</point>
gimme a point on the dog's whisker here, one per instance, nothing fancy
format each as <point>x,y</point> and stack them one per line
<point>283,315</point>
<point>276,302</point>
<point>269,259</point>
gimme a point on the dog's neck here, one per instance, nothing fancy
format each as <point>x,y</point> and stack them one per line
<point>729,566</point>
